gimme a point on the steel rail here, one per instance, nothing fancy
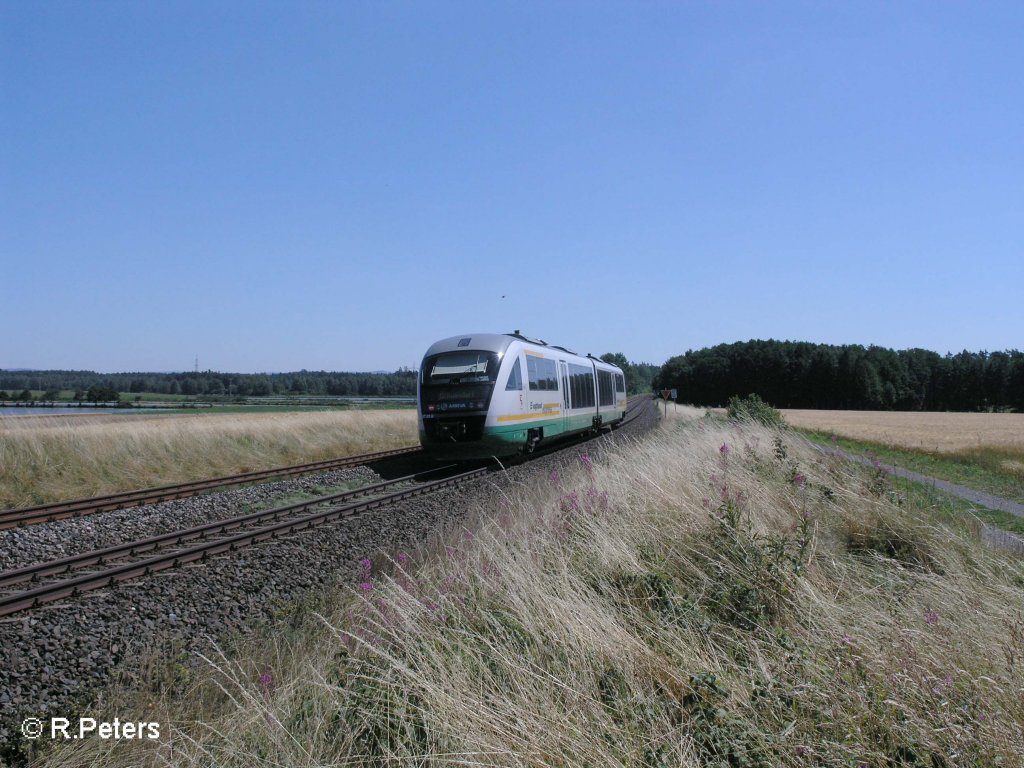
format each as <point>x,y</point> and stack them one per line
<point>174,538</point>
<point>634,410</point>
<point>43,513</point>
<point>74,586</point>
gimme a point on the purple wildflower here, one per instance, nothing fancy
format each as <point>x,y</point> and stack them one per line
<point>724,450</point>
<point>554,477</point>
<point>931,617</point>
<point>266,679</point>
<point>570,502</point>
<point>799,479</point>
<point>706,502</point>
<point>402,556</point>
<point>587,463</point>
<point>847,640</point>
<point>366,565</point>
<point>467,535</point>
<point>366,586</point>
<point>598,499</point>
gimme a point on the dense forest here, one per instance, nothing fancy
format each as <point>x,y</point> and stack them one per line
<point>208,383</point>
<point>106,386</point>
<point>792,374</point>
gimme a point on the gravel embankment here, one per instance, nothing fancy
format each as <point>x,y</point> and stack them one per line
<point>57,656</point>
<point>23,546</point>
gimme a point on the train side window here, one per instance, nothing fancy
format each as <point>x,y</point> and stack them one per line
<point>542,374</point>
<point>551,375</point>
<point>515,378</point>
<point>581,385</point>
<point>620,382</point>
<point>604,386</point>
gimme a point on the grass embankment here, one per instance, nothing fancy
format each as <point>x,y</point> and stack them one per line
<point>713,596</point>
<point>48,458</point>
<point>993,470</point>
<point>984,469</point>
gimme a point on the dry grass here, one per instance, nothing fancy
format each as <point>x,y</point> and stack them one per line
<point>674,412</point>
<point>713,596</point>
<point>937,432</point>
<point>51,458</point>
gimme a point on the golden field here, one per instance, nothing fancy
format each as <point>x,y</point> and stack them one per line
<point>51,458</point>
<point>932,432</point>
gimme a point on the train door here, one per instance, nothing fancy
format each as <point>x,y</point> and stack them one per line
<point>563,370</point>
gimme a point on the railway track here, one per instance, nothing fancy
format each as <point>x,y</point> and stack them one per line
<point>635,408</point>
<point>46,513</point>
<point>70,576</point>
<point>258,527</point>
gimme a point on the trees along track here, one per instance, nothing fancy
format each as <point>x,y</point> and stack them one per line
<point>262,526</point>
<point>47,513</point>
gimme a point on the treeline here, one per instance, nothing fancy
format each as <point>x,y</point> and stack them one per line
<point>795,374</point>
<point>638,375</point>
<point>92,386</point>
<point>209,383</point>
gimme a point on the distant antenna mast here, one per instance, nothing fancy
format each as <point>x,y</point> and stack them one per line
<point>197,363</point>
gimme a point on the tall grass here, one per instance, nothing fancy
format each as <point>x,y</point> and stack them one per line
<point>714,595</point>
<point>52,458</point>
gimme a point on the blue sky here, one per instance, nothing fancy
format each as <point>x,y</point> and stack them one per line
<point>335,185</point>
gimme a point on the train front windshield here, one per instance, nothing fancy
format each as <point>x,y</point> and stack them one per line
<point>458,381</point>
<point>461,368</point>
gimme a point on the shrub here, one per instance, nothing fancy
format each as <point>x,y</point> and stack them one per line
<point>753,408</point>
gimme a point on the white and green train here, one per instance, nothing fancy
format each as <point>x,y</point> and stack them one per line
<point>497,394</point>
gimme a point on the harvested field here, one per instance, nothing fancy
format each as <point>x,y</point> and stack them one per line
<point>933,432</point>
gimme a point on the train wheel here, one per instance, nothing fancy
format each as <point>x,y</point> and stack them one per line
<point>533,437</point>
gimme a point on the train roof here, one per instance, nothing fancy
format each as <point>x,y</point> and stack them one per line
<point>499,342</point>
<point>491,342</point>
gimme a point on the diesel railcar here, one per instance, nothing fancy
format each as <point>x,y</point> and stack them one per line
<point>498,394</point>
